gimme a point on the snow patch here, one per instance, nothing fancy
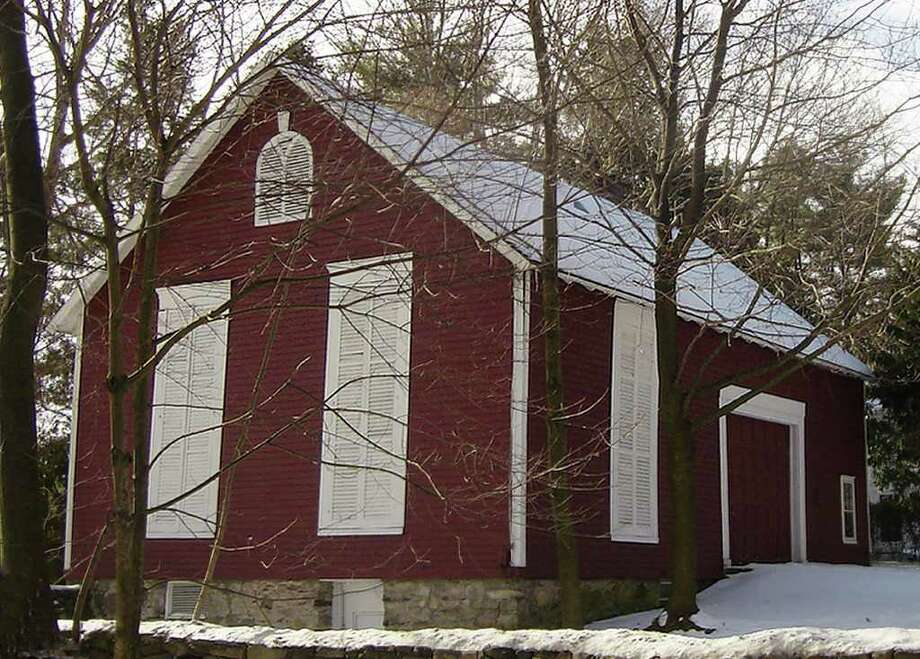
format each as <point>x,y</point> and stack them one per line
<point>802,641</point>
<point>773,610</point>
<point>795,594</point>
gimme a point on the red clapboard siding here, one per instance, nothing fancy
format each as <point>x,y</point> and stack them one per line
<point>460,360</point>
<point>456,523</point>
<point>834,442</point>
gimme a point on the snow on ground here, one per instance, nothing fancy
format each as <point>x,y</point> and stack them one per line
<point>774,610</point>
<point>614,643</point>
<point>797,595</point>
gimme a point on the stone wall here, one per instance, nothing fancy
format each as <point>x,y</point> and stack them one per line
<point>505,603</point>
<point>408,604</point>
<point>296,604</point>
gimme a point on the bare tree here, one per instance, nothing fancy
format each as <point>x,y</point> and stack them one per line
<point>28,620</point>
<point>169,104</point>
<point>161,114</point>
<point>157,120</point>
<point>729,83</point>
<point>566,547</point>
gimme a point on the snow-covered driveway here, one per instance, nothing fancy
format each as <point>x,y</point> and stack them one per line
<point>802,595</point>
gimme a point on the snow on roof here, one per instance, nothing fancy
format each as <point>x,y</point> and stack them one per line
<point>601,244</point>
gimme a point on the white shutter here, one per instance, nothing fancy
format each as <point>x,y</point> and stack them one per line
<point>362,488</point>
<point>284,178</point>
<point>298,178</point>
<point>270,184</point>
<point>187,412</point>
<point>634,425</point>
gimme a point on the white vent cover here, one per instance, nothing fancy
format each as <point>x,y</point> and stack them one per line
<point>357,604</point>
<point>181,597</point>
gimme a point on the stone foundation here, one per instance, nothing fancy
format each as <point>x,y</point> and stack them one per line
<point>295,604</point>
<point>505,603</point>
<point>415,604</point>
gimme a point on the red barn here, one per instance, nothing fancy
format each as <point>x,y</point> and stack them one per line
<point>365,422</point>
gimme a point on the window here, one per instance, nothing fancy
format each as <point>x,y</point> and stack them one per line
<point>362,479</point>
<point>284,179</point>
<point>181,597</point>
<point>848,508</point>
<point>188,398</point>
<point>634,426</point>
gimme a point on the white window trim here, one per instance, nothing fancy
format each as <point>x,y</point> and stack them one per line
<point>520,372</point>
<point>258,219</point>
<point>845,480</point>
<point>166,295</point>
<point>776,409</point>
<point>621,303</point>
<point>337,267</point>
<point>326,527</point>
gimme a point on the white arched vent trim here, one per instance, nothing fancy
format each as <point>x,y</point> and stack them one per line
<point>284,179</point>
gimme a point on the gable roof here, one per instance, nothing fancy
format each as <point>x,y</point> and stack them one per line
<point>601,244</point>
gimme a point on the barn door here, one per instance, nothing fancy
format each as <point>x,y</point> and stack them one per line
<point>758,491</point>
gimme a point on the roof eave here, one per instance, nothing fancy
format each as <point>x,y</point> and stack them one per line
<point>865,374</point>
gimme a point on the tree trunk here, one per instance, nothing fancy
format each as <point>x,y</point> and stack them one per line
<point>676,426</point>
<point>131,497</point>
<point>128,592</point>
<point>28,620</point>
<point>560,493</point>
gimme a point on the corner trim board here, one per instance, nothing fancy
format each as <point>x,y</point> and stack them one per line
<point>72,449</point>
<point>520,370</point>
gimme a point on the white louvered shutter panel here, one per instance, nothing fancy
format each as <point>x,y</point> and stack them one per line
<point>188,411</point>
<point>284,179</point>
<point>346,448</point>
<point>384,486</point>
<point>634,425</point>
<point>364,443</point>
<point>298,178</point>
<point>270,184</point>
<point>169,422</point>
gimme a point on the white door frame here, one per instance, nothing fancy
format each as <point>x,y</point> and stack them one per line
<point>775,409</point>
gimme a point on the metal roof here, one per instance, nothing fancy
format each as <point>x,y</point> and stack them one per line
<point>601,244</point>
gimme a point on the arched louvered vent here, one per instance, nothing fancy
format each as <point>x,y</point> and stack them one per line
<point>284,179</point>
